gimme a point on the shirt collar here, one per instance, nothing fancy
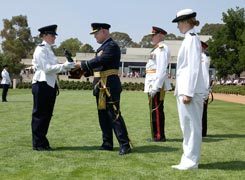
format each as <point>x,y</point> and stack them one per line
<point>46,44</point>
<point>190,31</point>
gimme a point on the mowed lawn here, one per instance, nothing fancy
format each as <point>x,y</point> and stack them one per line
<point>75,135</point>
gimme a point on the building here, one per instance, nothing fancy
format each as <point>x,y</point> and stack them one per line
<point>133,60</point>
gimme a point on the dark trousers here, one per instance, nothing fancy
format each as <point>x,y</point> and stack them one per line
<point>157,117</point>
<point>5,92</point>
<point>109,122</point>
<point>204,118</point>
<point>43,104</point>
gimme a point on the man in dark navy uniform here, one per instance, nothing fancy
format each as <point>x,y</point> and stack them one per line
<point>107,88</point>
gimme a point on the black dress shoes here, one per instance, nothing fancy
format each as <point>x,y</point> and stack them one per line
<point>47,148</point>
<point>106,148</point>
<point>124,150</point>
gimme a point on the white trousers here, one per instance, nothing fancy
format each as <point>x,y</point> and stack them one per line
<point>190,117</point>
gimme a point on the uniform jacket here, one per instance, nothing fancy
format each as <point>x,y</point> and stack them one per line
<point>5,77</point>
<point>159,59</point>
<point>107,57</point>
<point>189,77</point>
<point>45,65</point>
<point>205,69</point>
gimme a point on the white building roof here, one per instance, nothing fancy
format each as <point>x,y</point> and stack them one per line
<point>132,54</point>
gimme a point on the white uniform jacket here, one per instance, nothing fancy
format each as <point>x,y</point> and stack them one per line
<point>156,69</point>
<point>205,69</point>
<point>46,65</point>
<point>5,77</point>
<point>189,77</point>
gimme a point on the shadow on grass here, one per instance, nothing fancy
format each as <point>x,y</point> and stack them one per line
<point>226,136</point>
<point>77,148</point>
<point>231,165</point>
<point>221,137</point>
<point>153,149</point>
<point>206,139</point>
<point>137,149</point>
<point>17,101</point>
<point>174,140</point>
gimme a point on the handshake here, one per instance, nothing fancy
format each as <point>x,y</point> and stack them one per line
<point>75,72</point>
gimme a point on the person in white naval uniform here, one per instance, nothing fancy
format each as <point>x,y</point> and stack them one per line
<point>157,82</point>
<point>44,87</point>
<point>205,70</point>
<point>190,90</point>
<point>6,82</point>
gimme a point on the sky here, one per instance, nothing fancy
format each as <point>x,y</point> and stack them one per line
<point>134,17</point>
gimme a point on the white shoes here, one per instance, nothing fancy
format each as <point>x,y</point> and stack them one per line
<point>182,167</point>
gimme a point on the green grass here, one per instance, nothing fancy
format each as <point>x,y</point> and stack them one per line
<point>75,134</point>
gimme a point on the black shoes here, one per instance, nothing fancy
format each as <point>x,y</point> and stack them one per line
<point>157,140</point>
<point>47,148</point>
<point>106,148</point>
<point>124,150</point>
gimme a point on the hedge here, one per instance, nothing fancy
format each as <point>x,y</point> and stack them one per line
<point>229,89</point>
<point>86,85</point>
<point>225,89</point>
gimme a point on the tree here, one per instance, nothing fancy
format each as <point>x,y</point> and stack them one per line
<point>73,45</point>
<point>17,41</point>
<point>173,37</point>
<point>227,46</point>
<point>123,40</point>
<point>146,42</point>
<point>210,29</point>
<point>37,40</point>
<point>241,50</point>
<point>86,48</point>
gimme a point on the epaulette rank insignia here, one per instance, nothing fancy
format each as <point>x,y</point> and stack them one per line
<point>192,34</point>
<point>100,53</point>
<point>41,45</point>
<point>161,46</point>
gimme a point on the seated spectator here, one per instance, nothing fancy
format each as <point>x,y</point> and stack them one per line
<point>228,82</point>
<point>236,81</point>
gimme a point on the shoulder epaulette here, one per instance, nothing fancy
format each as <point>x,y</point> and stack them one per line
<point>192,34</point>
<point>161,46</point>
<point>41,45</point>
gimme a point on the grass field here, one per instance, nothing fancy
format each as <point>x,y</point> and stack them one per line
<point>75,135</point>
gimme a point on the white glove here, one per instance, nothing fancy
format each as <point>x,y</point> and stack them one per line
<point>205,96</point>
<point>152,92</point>
<point>68,65</point>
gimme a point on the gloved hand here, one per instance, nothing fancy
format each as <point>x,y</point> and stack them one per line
<point>152,92</point>
<point>68,65</point>
<point>205,96</point>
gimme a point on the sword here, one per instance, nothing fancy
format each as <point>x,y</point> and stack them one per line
<point>108,94</point>
<point>116,111</point>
